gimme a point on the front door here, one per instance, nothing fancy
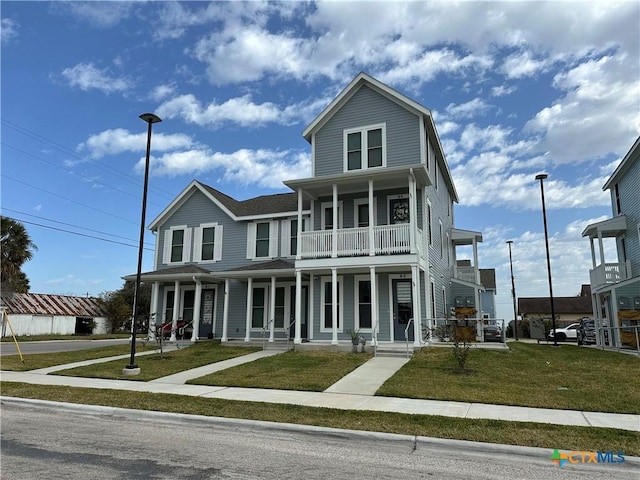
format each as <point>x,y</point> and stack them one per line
<point>206,314</point>
<point>402,309</point>
<point>304,307</point>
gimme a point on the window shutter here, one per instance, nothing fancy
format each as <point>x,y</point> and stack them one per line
<point>217,247</point>
<point>273,239</point>
<point>251,240</point>
<point>166,251</point>
<point>197,244</point>
<point>186,249</point>
<point>285,238</point>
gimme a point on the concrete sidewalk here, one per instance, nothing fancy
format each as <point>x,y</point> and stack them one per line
<point>355,391</point>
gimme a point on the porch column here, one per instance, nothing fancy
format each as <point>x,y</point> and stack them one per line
<point>334,306</point>
<point>593,252</point>
<point>247,334</point>
<point>374,307</point>
<point>196,310</point>
<point>415,284</point>
<point>613,321</point>
<point>601,248</point>
<point>176,312</point>
<point>413,212</point>
<point>372,240</point>
<point>225,313</point>
<point>312,285</point>
<point>272,309</point>
<point>153,309</point>
<point>334,233</point>
<point>299,237</point>
<point>475,260</point>
<point>298,325</point>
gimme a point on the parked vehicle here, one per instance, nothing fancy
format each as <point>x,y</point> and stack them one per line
<point>492,333</point>
<point>586,332</point>
<point>570,332</point>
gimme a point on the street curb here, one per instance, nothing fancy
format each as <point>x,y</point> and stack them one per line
<point>412,441</point>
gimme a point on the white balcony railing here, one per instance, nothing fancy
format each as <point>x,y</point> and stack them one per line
<point>388,239</point>
<point>609,273</point>
<point>466,273</point>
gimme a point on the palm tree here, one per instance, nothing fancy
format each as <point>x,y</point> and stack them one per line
<point>16,248</point>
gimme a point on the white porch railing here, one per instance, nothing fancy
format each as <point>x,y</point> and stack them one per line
<point>609,273</point>
<point>388,239</point>
<point>468,274</point>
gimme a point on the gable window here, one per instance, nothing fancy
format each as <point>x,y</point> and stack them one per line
<point>177,245</point>
<point>262,240</point>
<point>326,312</point>
<point>365,147</point>
<point>208,243</point>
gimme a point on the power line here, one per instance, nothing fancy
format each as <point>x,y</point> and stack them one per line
<point>76,233</point>
<point>67,199</point>
<point>71,225</point>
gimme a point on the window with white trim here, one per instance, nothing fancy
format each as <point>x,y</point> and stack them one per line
<point>326,215</point>
<point>259,299</point>
<point>434,313</point>
<point>365,147</point>
<point>441,240</point>
<point>289,236</point>
<point>363,305</point>
<point>207,243</point>
<point>361,212</point>
<point>326,312</point>
<point>177,245</point>
<point>262,240</point>
<point>430,222</point>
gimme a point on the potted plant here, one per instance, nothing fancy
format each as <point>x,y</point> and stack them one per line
<point>355,339</point>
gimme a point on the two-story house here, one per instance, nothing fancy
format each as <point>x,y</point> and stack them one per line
<point>615,286</point>
<point>367,243</point>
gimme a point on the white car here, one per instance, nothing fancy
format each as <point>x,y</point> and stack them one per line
<point>570,332</point>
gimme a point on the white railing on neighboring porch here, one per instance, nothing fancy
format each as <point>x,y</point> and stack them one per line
<point>609,273</point>
<point>388,239</point>
<point>468,274</point>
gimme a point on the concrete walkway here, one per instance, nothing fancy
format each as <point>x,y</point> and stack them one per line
<point>353,392</point>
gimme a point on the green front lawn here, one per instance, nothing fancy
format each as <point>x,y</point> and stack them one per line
<point>566,377</point>
<point>312,371</point>
<point>158,364</point>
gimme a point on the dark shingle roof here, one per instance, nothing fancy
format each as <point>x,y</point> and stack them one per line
<point>488,278</point>
<point>265,204</point>
<point>271,265</point>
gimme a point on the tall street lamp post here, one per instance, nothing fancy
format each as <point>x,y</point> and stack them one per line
<point>541,177</point>
<point>132,368</point>
<point>513,294</point>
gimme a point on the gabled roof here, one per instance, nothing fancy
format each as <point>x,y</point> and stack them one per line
<point>278,204</point>
<point>54,305</point>
<point>488,278</point>
<point>350,90</point>
<point>363,79</point>
<point>632,156</point>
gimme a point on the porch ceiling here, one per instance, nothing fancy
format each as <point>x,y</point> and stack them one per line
<point>358,181</point>
<point>464,237</point>
<point>607,228</point>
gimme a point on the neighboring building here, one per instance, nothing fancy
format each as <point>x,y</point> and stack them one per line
<point>41,314</point>
<point>615,286</point>
<point>567,309</point>
<point>488,295</point>
<point>366,243</point>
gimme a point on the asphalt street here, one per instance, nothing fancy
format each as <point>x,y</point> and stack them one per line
<point>53,346</point>
<point>78,442</point>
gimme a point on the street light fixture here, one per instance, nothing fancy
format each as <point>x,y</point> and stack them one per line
<point>513,294</point>
<point>541,177</point>
<point>132,368</point>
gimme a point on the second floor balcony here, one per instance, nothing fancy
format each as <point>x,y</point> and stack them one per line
<point>610,273</point>
<point>350,242</point>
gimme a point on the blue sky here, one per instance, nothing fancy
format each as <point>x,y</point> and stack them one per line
<point>516,89</point>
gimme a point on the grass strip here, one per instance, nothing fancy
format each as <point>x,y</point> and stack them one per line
<point>479,430</point>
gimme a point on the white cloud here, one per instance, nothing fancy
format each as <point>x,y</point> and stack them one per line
<point>598,114</point>
<point>119,140</point>
<point>522,64</point>
<point>502,90</point>
<point>8,30</point>
<point>262,167</point>
<point>471,109</point>
<point>161,92</point>
<point>86,76</point>
<point>99,14</point>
